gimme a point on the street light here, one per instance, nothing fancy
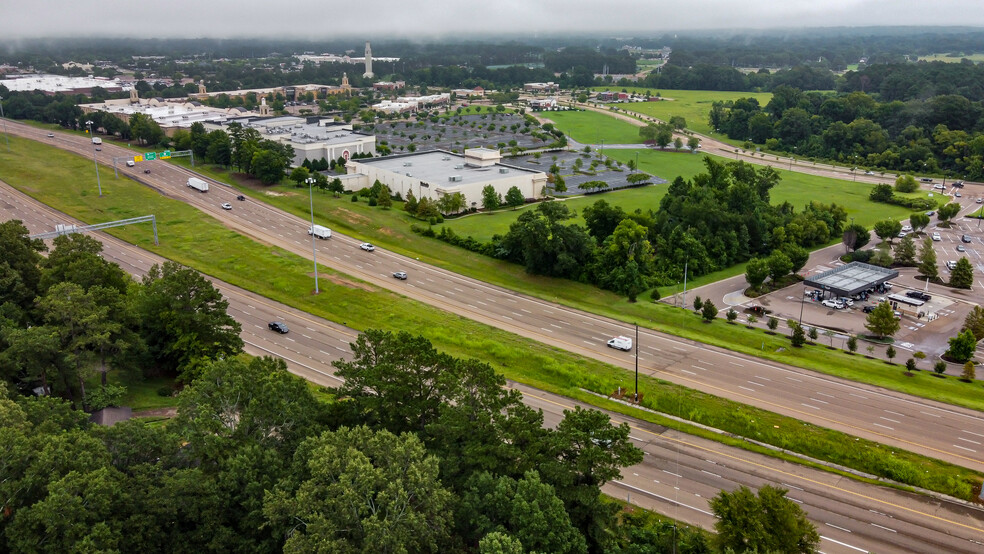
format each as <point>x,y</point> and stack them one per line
<point>5,135</point>
<point>94,162</point>
<point>791,158</point>
<point>314,248</point>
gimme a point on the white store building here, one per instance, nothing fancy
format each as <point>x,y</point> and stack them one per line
<point>436,173</point>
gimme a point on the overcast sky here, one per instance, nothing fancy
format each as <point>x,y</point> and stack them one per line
<point>381,19</point>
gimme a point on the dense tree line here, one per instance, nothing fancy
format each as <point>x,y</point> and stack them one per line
<point>937,134</point>
<point>911,81</point>
<point>717,219</point>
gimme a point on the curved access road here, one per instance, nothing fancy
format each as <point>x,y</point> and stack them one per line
<point>679,473</point>
<point>930,428</point>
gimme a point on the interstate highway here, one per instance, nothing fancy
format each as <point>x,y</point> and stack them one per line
<point>679,473</point>
<point>930,428</point>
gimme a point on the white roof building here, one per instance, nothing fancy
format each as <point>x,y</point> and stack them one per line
<point>59,83</point>
<point>169,115</point>
<point>312,138</point>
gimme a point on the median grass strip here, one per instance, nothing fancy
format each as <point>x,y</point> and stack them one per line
<point>60,180</point>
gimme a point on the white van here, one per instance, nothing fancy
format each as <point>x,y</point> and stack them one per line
<point>129,163</point>
<point>620,343</point>
<point>97,140</point>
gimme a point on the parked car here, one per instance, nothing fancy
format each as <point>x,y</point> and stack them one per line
<point>956,194</point>
<point>965,238</point>
<point>902,234</point>
<point>931,213</point>
<point>226,206</point>
<point>367,247</point>
<point>401,275</point>
<point>951,265</point>
<point>831,303</point>
<point>869,172</point>
<point>99,149</point>
<point>936,237</point>
<point>907,228</point>
<point>868,309</point>
<point>278,326</point>
<point>146,171</point>
<point>979,200</point>
<point>958,184</point>
<point>918,295</point>
<point>846,301</point>
<point>961,248</point>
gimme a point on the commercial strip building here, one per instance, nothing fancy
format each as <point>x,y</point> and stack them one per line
<point>312,138</point>
<point>437,173</point>
<point>170,115</point>
<point>412,103</point>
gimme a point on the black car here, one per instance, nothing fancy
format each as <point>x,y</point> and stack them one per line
<point>868,309</point>
<point>278,326</point>
<point>240,197</point>
<point>918,295</point>
<point>958,184</point>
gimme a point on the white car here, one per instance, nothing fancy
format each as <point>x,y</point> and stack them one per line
<point>907,228</point>
<point>846,301</point>
<point>367,247</point>
<point>902,234</point>
<point>226,206</point>
<point>835,304</point>
<point>936,237</point>
<point>51,135</point>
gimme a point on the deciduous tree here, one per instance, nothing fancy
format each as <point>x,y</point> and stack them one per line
<point>881,321</point>
<point>769,522</point>
<point>962,274</point>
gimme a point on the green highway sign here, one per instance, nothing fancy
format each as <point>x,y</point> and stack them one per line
<point>150,156</point>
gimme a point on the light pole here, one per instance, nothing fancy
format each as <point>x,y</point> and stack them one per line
<point>637,161</point>
<point>94,162</point>
<point>5,135</point>
<point>792,157</point>
<point>314,248</point>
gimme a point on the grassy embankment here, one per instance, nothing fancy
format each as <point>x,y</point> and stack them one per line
<point>64,181</point>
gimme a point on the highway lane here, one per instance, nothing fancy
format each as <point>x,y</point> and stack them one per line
<point>679,474</point>
<point>956,436</point>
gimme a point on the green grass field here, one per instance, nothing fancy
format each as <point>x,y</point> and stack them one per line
<point>977,57</point>
<point>592,128</point>
<point>692,105</point>
<point>65,182</point>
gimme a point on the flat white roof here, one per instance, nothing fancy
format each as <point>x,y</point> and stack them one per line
<point>56,83</point>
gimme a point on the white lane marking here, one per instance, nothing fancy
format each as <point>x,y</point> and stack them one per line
<point>836,527</point>
<point>756,384</point>
<point>521,309</point>
<point>673,474</point>
<point>547,330</point>
<point>884,426</point>
<point>690,372</point>
<point>968,449</point>
<point>246,313</point>
<point>820,401</point>
<point>459,290</point>
<point>859,396</point>
<point>970,433</point>
<point>794,379</point>
<point>762,378</point>
<point>842,543</point>
<point>482,303</point>
<point>894,413</point>
<point>675,502</point>
<point>557,326</point>
<point>682,349</point>
<point>929,414</point>
<point>586,342</point>
<point>887,419</point>
<point>310,329</point>
<point>325,353</point>
<point>305,336</point>
<point>885,528</point>
<point>698,367</point>
<point>824,394</point>
<point>507,317</point>
<point>709,473</point>
<point>736,363</point>
<point>791,486</point>
<point>746,388</point>
<point>808,406</point>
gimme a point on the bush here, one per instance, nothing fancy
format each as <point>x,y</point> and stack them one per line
<point>355,198</point>
<point>939,367</point>
<point>798,339</point>
<point>968,372</point>
<point>708,311</point>
<point>852,344</point>
<point>698,304</point>
<point>103,396</point>
<point>732,315</point>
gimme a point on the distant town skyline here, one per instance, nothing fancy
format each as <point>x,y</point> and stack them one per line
<point>311,19</point>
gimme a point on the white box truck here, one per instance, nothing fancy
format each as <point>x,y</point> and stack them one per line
<point>320,232</point>
<point>197,184</point>
<point>130,163</point>
<point>620,343</point>
<point>97,140</point>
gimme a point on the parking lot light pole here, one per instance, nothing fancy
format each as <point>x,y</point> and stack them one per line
<point>94,162</point>
<point>314,247</point>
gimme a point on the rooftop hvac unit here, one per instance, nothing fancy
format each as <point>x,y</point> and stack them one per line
<point>446,158</point>
<point>459,167</point>
<point>407,164</point>
<point>409,174</point>
<point>503,170</point>
<point>455,178</point>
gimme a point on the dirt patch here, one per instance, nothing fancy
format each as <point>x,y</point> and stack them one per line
<point>353,217</point>
<point>338,280</point>
<point>273,193</point>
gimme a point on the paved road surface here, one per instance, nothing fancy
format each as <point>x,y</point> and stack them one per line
<point>891,418</point>
<point>679,473</point>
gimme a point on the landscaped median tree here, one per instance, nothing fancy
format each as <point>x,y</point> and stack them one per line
<point>905,251</point>
<point>975,322</point>
<point>514,198</point>
<point>769,522</point>
<point>906,183</point>
<point>756,271</point>
<point>962,275</point>
<point>948,212</point>
<point>962,347</point>
<point>887,229</point>
<point>708,311</point>
<point>919,221</point>
<point>881,321</point>
<point>927,261</point>
<point>779,266</point>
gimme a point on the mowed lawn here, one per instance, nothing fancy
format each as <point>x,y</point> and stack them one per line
<point>590,127</point>
<point>692,105</point>
<point>796,188</point>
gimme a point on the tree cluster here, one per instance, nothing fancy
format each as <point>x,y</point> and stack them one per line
<point>720,218</point>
